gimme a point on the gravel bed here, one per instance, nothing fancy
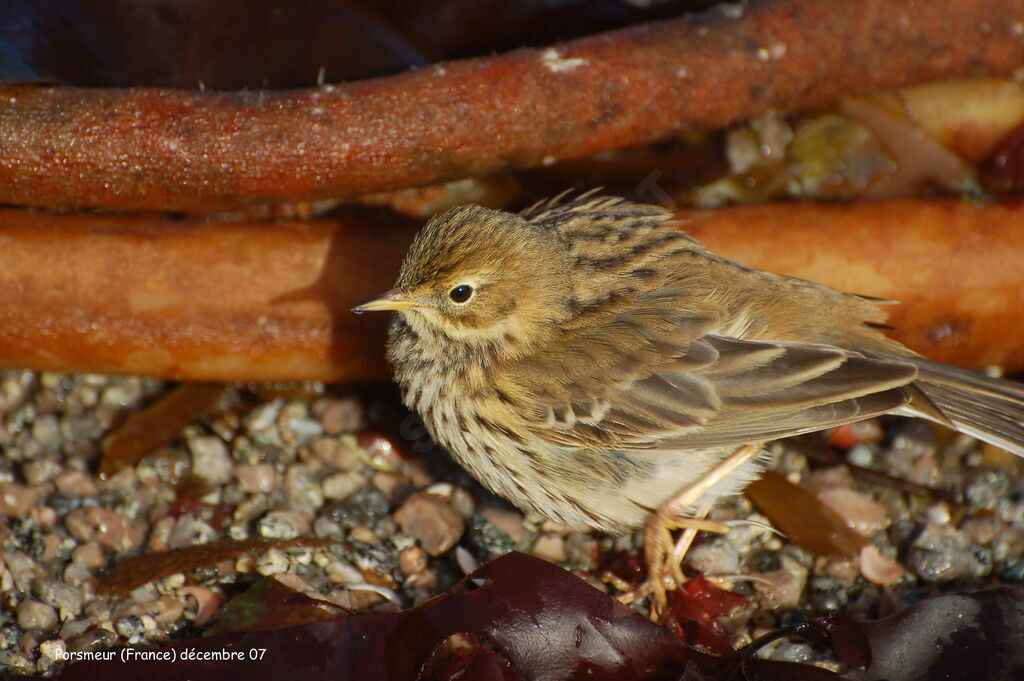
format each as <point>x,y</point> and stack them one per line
<point>285,467</point>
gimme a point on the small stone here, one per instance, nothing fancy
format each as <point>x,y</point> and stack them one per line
<point>72,628</point>
<point>982,529</point>
<point>211,462</point>
<point>16,662</point>
<point>863,515</point>
<point>337,454</point>
<point>13,391</point>
<point>781,589</point>
<point>16,499</point>
<point>126,392</point>
<point>507,521</point>
<point>285,524</point>
<point>303,429</point>
<point>431,521</point>
<point>35,615</point>
<point>46,431</point>
<point>343,572</point>
<point>388,482</point>
<point>40,470</point>
<point>53,650</point>
<point>76,484</point>
<point>93,640</point>
<point>264,416</point>
<point>190,531</point>
<point>325,527</point>
<point>584,550</point>
<point>76,574</point>
<point>67,599</point>
<point>365,506</point>
<point>105,527</point>
<point>23,570</point>
<point>340,485</point>
<point>364,534</point>
<point>878,569</point>
<point>131,628</point>
<point>273,562</point>
<point>339,415</point>
<point>258,478</point>
<point>942,553</point>
<point>550,547</point>
<point>302,489</point>
<point>412,561</point>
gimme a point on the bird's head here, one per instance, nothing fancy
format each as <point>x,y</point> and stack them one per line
<point>483,278</point>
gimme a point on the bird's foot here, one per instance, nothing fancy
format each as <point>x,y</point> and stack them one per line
<point>664,555</point>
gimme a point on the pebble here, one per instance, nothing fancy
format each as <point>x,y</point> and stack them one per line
<point>303,491</point>
<point>53,649</point>
<point>506,521</point>
<point>365,506</point>
<point>105,527</point>
<point>273,562</point>
<point>388,482</point>
<point>41,470</point>
<point>256,478</point>
<point>982,529</point>
<point>14,390</point>
<point>16,499</point>
<point>76,484</point>
<point>412,561</point>
<point>66,599</point>
<point>861,514</point>
<point>92,641</point>
<point>715,557</point>
<point>264,416</point>
<point>343,572</point>
<point>550,547</point>
<point>132,628</point>
<point>190,531</point>
<point>337,454</point>
<point>827,478</point>
<point>339,415</point>
<point>878,569</point>
<point>583,551</point>
<point>340,485</point>
<point>434,524</point>
<point>211,462</point>
<point>942,553</point>
<point>303,429</point>
<point>76,574</point>
<point>46,431</point>
<point>33,614</point>
<point>16,662</point>
<point>285,524</point>
<point>364,534</point>
<point>23,570</point>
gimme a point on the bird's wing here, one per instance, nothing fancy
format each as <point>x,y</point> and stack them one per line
<point>639,381</point>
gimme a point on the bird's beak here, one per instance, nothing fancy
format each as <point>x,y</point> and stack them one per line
<point>389,300</point>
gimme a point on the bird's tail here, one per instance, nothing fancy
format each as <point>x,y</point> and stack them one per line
<point>990,409</point>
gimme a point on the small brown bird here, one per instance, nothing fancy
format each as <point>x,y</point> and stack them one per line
<point>590,362</point>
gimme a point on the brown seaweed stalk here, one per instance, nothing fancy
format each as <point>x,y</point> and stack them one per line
<point>155,148</point>
<point>256,301</point>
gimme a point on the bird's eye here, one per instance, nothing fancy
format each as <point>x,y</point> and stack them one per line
<point>461,293</point>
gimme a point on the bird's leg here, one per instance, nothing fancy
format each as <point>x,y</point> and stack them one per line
<point>658,535</point>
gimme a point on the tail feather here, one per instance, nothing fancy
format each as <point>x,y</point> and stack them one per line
<point>989,409</point>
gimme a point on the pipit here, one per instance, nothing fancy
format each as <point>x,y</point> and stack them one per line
<point>590,362</point>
